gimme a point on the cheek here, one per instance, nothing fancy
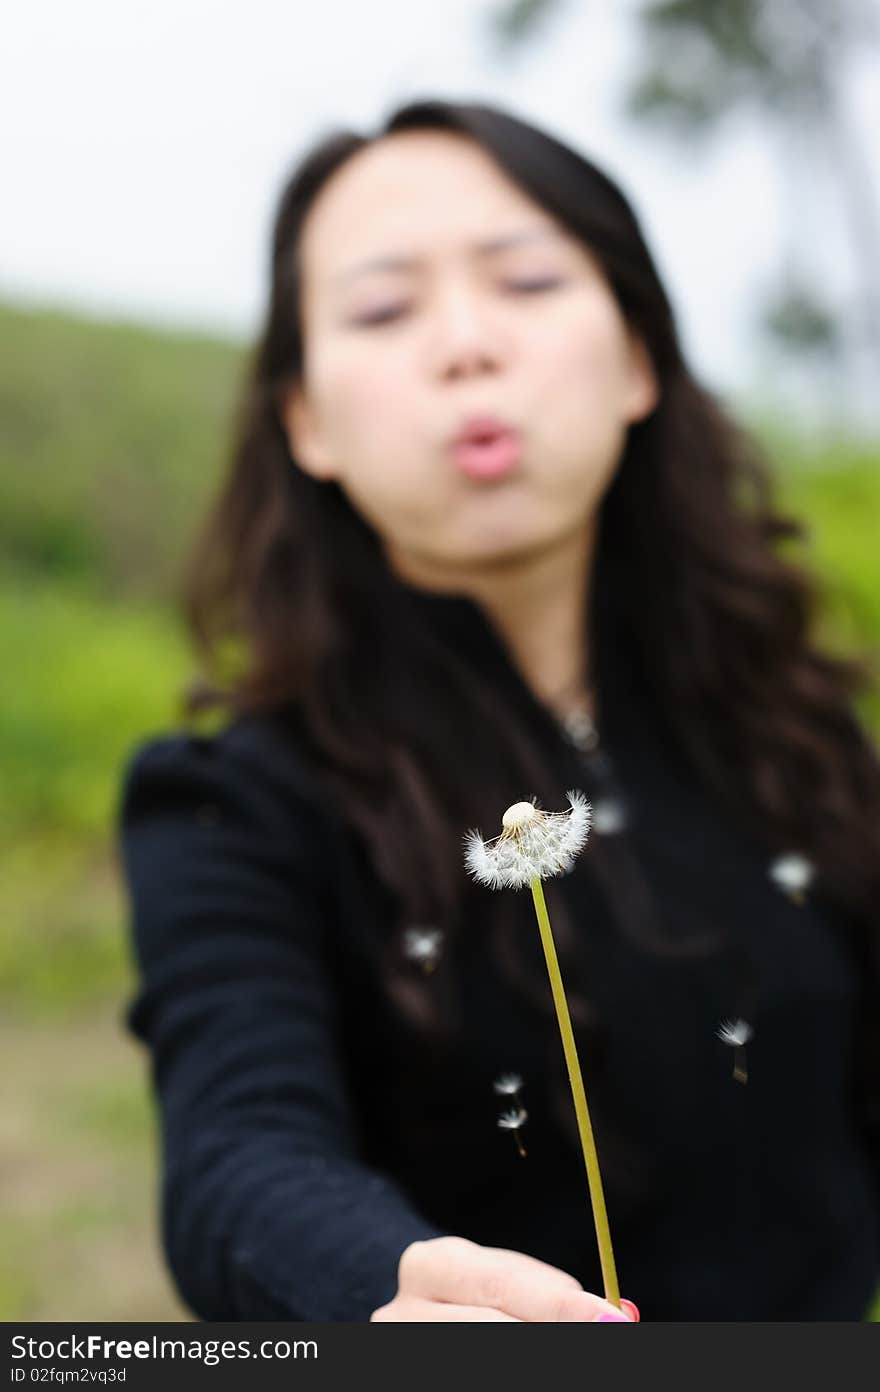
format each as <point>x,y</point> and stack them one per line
<point>368,418</point>
<point>364,406</point>
<point>579,368</point>
<point>584,351</point>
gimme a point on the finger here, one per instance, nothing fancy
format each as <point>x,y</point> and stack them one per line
<point>539,1268</point>
<point>415,1310</point>
<point>434,1269</point>
<point>462,1272</point>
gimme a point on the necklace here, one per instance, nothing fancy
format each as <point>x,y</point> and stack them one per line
<point>576,720</point>
<point>580,728</point>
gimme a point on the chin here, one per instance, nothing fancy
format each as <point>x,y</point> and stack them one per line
<point>497,552</point>
<point>510,539</point>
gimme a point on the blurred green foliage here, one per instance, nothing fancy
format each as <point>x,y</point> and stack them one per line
<point>835,490</point>
<point>110,436</point>
<point>112,440</point>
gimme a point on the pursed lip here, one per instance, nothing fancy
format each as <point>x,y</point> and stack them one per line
<point>481,426</point>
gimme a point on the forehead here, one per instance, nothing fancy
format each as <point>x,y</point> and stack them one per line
<point>414,193</point>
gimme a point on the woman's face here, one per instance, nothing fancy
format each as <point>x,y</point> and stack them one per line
<point>397,357</point>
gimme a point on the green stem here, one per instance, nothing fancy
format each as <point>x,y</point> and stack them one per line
<point>591,1159</point>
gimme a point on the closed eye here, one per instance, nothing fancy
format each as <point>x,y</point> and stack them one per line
<point>388,314</point>
<point>532,285</point>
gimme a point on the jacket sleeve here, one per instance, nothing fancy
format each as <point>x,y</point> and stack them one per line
<point>868,1053</point>
<point>267,1211</point>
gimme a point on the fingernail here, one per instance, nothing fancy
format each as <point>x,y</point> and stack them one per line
<point>633,1308</point>
<point>617,1319</point>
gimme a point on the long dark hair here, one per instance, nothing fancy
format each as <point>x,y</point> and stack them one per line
<point>288,572</point>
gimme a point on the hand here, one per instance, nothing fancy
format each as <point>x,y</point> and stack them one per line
<point>451,1278</point>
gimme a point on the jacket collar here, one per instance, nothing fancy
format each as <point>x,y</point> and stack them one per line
<point>461,621</point>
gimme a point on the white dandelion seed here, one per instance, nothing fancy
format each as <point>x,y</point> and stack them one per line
<point>737,1033</point>
<point>512,1121</point>
<point>793,873</point>
<point>508,1083</point>
<point>423,945</point>
<point>533,844</point>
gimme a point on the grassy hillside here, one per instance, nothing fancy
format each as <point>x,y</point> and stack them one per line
<point>110,435</point>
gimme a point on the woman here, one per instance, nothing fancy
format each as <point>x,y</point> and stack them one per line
<point>484,539</point>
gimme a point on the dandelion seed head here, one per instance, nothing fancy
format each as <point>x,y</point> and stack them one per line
<point>519,816</point>
<point>533,844</point>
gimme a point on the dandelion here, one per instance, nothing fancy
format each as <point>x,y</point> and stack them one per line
<point>793,873</point>
<point>532,846</point>
<point>737,1033</point>
<point>512,1121</point>
<point>508,1084</point>
<point>423,945</point>
<point>535,845</point>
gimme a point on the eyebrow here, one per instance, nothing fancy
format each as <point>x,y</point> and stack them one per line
<point>484,248</point>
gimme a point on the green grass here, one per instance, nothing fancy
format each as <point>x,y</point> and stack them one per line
<point>838,494</point>
<point>89,675</point>
<point>80,1236</point>
<point>97,678</point>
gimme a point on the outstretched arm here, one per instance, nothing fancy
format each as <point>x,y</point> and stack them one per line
<point>267,1210</point>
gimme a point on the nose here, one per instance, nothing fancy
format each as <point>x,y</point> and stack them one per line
<point>465,341</point>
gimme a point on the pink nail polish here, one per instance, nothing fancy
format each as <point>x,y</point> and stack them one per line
<point>617,1319</point>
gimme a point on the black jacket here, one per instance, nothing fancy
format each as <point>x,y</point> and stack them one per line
<point>308,1137</point>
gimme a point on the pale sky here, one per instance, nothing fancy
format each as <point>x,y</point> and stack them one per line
<point>147,143</point>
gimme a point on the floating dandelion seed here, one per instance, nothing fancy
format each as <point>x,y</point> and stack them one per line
<point>533,846</point>
<point>423,945</point>
<point>512,1121</point>
<point>508,1083</point>
<point>737,1033</point>
<point>793,873</point>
